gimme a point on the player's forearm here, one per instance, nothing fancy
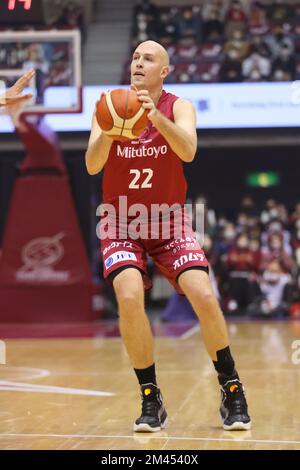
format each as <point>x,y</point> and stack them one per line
<point>178,139</point>
<point>97,154</point>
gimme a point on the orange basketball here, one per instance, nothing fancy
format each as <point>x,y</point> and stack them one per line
<point>120,114</point>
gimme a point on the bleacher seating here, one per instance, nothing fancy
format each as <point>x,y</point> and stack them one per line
<point>222,40</point>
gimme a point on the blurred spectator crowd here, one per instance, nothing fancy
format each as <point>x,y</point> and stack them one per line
<point>224,40</point>
<point>51,61</point>
<point>256,258</point>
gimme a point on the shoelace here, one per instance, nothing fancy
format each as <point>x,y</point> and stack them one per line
<point>236,401</point>
<point>150,407</point>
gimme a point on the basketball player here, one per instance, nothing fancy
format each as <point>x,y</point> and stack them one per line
<point>13,97</point>
<point>172,124</point>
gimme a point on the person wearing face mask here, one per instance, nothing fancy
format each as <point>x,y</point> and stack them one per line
<point>257,19</point>
<point>275,226</point>
<point>226,238</point>
<point>275,251</point>
<point>237,43</point>
<point>256,67</point>
<point>285,63</point>
<point>236,18</point>
<point>231,68</point>
<point>242,265</point>
<point>276,289</point>
<point>277,39</point>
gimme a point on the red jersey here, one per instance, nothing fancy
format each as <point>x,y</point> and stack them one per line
<point>146,169</point>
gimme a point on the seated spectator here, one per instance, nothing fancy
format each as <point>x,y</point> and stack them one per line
<point>208,215</point>
<point>142,30</point>
<point>276,292</point>
<point>36,61</point>
<point>189,25</point>
<point>146,7</point>
<point>246,222</point>
<point>296,214</point>
<point>256,68</point>
<point>284,67</point>
<point>275,252</point>
<point>72,17</point>
<point>277,40</point>
<point>248,206</point>
<point>258,19</point>
<point>237,43</point>
<point>231,68</point>
<point>270,212</point>
<point>242,265</point>
<point>275,226</point>
<point>259,45</point>
<point>213,26</point>
<point>215,5</point>
<point>226,239</point>
<point>236,18</point>
<point>167,29</point>
<point>279,11</point>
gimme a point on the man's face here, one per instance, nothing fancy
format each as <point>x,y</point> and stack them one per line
<point>147,67</point>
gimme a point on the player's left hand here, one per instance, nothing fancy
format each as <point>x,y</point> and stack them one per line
<point>147,102</point>
<point>12,96</point>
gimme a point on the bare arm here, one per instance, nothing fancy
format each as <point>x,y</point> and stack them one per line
<point>181,134</point>
<point>98,149</point>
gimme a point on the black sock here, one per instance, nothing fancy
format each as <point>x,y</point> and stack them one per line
<point>225,363</point>
<point>146,376</point>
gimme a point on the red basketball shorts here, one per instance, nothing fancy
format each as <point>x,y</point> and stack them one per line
<point>172,256</point>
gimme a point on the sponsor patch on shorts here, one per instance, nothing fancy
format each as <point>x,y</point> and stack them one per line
<point>118,257</point>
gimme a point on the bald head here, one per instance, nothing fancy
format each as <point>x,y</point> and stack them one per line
<point>153,47</point>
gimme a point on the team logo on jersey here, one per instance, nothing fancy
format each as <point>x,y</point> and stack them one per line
<point>131,152</point>
<point>187,258</point>
<point>118,257</point>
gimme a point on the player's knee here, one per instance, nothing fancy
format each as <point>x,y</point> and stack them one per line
<point>129,304</point>
<point>207,301</point>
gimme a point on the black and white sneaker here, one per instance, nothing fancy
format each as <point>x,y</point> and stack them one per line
<point>154,415</point>
<point>234,409</point>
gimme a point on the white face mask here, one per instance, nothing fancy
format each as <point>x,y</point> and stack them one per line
<point>275,227</point>
<point>229,234</point>
<point>233,54</point>
<point>276,245</point>
<point>242,243</point>
<point>270,277</point>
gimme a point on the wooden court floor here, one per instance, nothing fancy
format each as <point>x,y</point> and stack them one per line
<point>82,394</point>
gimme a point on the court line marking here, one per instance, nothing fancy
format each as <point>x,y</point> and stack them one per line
<point>24,387</point>
<point>34,373</point>
<point>190,332</point>
<point>171,438</point>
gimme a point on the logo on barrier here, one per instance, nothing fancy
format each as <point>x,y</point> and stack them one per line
<point>2,352</point>
<point>296,93</point>
<point>296,354</point>
<point>40,256</point>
